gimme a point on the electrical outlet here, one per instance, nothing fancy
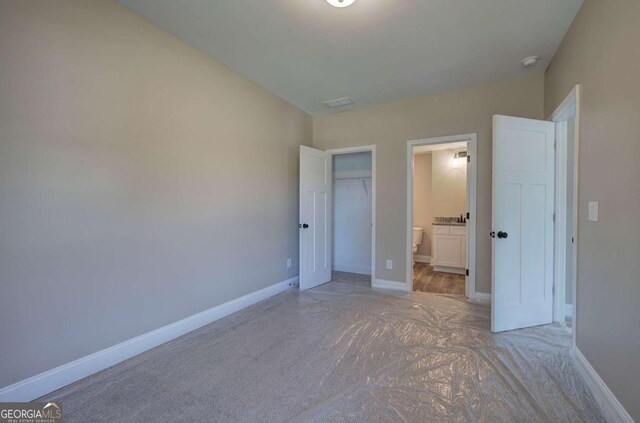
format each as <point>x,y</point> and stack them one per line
<point>288,263</point>
<point>593,211</point>
<point>389,264</point>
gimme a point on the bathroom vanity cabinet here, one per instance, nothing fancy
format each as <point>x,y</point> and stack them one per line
<point>449,248</point>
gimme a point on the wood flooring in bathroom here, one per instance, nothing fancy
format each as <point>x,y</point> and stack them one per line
<point>425,279</point>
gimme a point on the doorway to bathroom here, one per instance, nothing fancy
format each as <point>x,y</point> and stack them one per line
<point>441,214</point>
<point>353,223</point>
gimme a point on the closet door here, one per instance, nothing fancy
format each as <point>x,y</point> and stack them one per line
<point>315,217</point>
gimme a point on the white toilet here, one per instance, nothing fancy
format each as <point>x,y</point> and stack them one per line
<point>417,238</point>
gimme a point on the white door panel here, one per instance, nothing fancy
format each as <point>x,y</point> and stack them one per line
<point>523,175</point>
<point>315,217</point>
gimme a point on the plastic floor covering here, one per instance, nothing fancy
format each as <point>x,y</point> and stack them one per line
<point>344,352</point>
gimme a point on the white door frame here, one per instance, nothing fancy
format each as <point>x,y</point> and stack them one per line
<point>560,221</point>
<point>472,176</point>
<point>570,107</point>
<point>363,149</point>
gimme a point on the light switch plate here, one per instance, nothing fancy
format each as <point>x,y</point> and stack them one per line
<point>593,211</point>
<point>389,264</point>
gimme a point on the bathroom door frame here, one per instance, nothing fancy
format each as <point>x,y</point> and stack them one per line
<point>364,149</point>
<point>472,177</point>
<point>570,107</point>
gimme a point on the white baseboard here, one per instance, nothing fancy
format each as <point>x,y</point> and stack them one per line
<point>568,310</point>
<point>422,259</point>
<point>613,411</point>
<point>390,285</point>
<point>446,269</point>
<point>483,297</point>
<point>352,269</point>
<point>43,383</point>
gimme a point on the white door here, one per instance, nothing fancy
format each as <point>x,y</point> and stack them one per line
<point>522,244</point>
<point>315,217</point>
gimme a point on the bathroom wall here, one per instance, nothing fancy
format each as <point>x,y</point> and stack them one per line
<point>141,182</point>
<point>422,201</point>
<point>449,184</point>
<point>352,212</point>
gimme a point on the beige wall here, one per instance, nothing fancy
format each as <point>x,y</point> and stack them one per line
<point>389,126</point>
<point>449,185</point>
<point>600,52</point>
<point>422,200</point>
<point>137,178</point>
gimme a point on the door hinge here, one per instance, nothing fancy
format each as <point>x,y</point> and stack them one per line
<point>466,272</point>
<point>554,217</point>
<point>555,144</point>
<point>468,215</point>
<point>468,159</point>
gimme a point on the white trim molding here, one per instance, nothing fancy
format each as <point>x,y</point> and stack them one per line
<point>568,310</point>
<point>560,221</point>
<point>46,382</point>
<point>389,285</point>
<point>613,411</point>
<point>447,269</point>
<point>570,107</point>
<point>482,297</point>
<point>352,269</point>
<point>422,259</point>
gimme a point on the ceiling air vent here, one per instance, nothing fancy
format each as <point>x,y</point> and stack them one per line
<point>338,102</point>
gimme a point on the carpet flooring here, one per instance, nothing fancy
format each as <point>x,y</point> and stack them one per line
<point>343,352</point>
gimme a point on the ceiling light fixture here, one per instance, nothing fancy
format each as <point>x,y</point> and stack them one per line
<point>340,3</point>
<point>457,158</point>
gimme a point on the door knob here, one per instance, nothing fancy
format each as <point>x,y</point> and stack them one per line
<point>303,225</point>
<point>502,234</point>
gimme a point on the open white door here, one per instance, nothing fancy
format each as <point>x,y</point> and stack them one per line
<point>315,217</point>
<point>523,201</point>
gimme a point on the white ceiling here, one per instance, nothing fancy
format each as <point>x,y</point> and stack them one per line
<point>374,51</point>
